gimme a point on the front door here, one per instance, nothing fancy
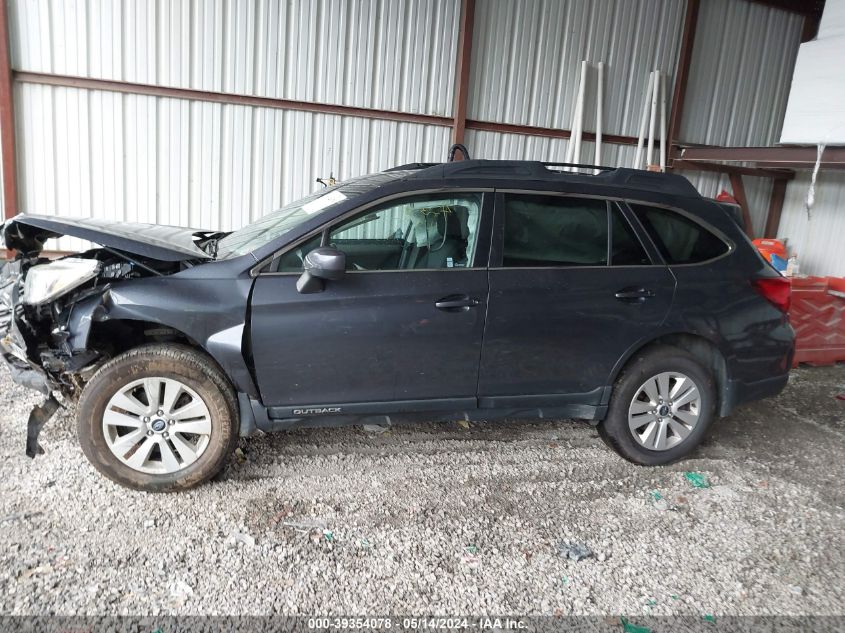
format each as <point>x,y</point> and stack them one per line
<point>571,290</point>
<point>404,325</point>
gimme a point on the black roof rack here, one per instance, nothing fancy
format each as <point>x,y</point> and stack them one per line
<point>534,170</point>
<point>412,166</point>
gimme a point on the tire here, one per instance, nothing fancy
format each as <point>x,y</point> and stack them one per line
<point>616,430</point>
<point>200,435</point>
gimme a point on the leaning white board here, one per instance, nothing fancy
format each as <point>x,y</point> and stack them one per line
<point>815,112</point>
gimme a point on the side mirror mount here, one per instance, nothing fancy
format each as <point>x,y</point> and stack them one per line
<point>325,262</point>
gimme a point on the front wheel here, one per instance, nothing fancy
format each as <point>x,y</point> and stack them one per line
<point>662,405</point>
<point>158,418</point>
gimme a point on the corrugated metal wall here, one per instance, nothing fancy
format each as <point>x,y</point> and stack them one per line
<point>385,54</point>
<point>817,238</point>
<point>527,53</point>
<point>208,165</point>
<point>525,70</point>
<point>740,74</point>
<point>142,158</point>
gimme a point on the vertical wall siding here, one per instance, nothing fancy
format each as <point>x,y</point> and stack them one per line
<point>740,74</point>
<point>817,238</point>
<point>527,54</point>
<point>170,161</point>
<point>385,54</point>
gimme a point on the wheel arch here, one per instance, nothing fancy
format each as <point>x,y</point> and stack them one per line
<point>119,335</point>
<point>704,350</point>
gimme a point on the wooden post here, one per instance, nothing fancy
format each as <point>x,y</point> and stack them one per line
<point>739,194</point>
<point>775,207</point>
<point>462,66</point>
<point>679,91</point>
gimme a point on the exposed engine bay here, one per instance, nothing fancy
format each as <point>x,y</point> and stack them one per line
<point>38,297</point>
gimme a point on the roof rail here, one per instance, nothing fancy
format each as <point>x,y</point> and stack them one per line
<point>579,165</point>
<point>636,179</point>
<point>412,166</point>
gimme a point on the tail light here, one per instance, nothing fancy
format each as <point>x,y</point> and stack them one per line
<point>777,290</point>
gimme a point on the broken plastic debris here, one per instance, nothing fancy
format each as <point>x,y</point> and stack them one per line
<point>659,502</point>
<point>629,627</point>
<point>329,535</point>
<point>471,557</point>
<point>697,480</point>
<point>652,602</point>
<point>709,618</point>
<point>575,551</point>
<point>463,424</point>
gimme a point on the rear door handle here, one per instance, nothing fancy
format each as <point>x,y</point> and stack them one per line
<point>456,303</point>
<point>634,295</point>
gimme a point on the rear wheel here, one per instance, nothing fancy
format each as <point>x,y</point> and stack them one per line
<point>158,418</point>
<point>662,404</point>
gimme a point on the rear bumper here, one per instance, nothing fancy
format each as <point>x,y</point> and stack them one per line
<point>738,392</point>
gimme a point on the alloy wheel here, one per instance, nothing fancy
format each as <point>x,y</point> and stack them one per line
<point>664,411</point>
<point>157,425</point>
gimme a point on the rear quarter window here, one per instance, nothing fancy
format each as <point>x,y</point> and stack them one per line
<point>679,239</point>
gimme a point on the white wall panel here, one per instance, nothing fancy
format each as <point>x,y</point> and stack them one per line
<point>169,161</point>
<point>385,54</point>
<point>527,53</point>
<point>740,73</point>
<point>819,238</point>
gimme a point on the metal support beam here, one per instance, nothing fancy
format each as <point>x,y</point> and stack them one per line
<point>462,67</point>
<point>775,208</point>
<point>226,97</point>
<point>7,119</point>
<point>774,172</point>
<point>739,193</point>
<point>531,130</point>
<point>833,157</point>
<point>679,92</point>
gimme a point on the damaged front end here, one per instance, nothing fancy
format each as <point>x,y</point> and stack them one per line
<point>38,297</point>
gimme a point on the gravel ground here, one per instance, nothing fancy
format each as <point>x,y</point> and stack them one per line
<point>441,519</point>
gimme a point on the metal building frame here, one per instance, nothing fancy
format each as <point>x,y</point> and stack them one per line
<point>772,162</point>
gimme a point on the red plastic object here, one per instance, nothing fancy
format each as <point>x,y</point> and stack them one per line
<point>817,315</point>
<point>724,196</point>
<point>768,247</point>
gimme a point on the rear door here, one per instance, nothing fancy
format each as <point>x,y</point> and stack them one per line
<point>572,289</point>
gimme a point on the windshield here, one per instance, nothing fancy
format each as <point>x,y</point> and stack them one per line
<point>276,223</point>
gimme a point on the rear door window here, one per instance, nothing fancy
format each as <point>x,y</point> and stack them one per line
<point>679,239</point>
<point>543,231</point>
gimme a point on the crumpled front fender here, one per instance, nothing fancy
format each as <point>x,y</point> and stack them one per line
<point>210,312</point>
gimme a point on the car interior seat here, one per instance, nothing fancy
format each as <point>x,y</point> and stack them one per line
<point>439,237</point>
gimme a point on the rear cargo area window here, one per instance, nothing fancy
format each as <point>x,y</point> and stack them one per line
<point>679,239</point>
<point>554,231</point>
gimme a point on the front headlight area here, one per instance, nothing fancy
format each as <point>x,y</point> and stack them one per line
<point>46,282</point>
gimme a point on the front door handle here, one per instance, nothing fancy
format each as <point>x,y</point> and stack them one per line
<point>456,303</point>
<point>634,295</point>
